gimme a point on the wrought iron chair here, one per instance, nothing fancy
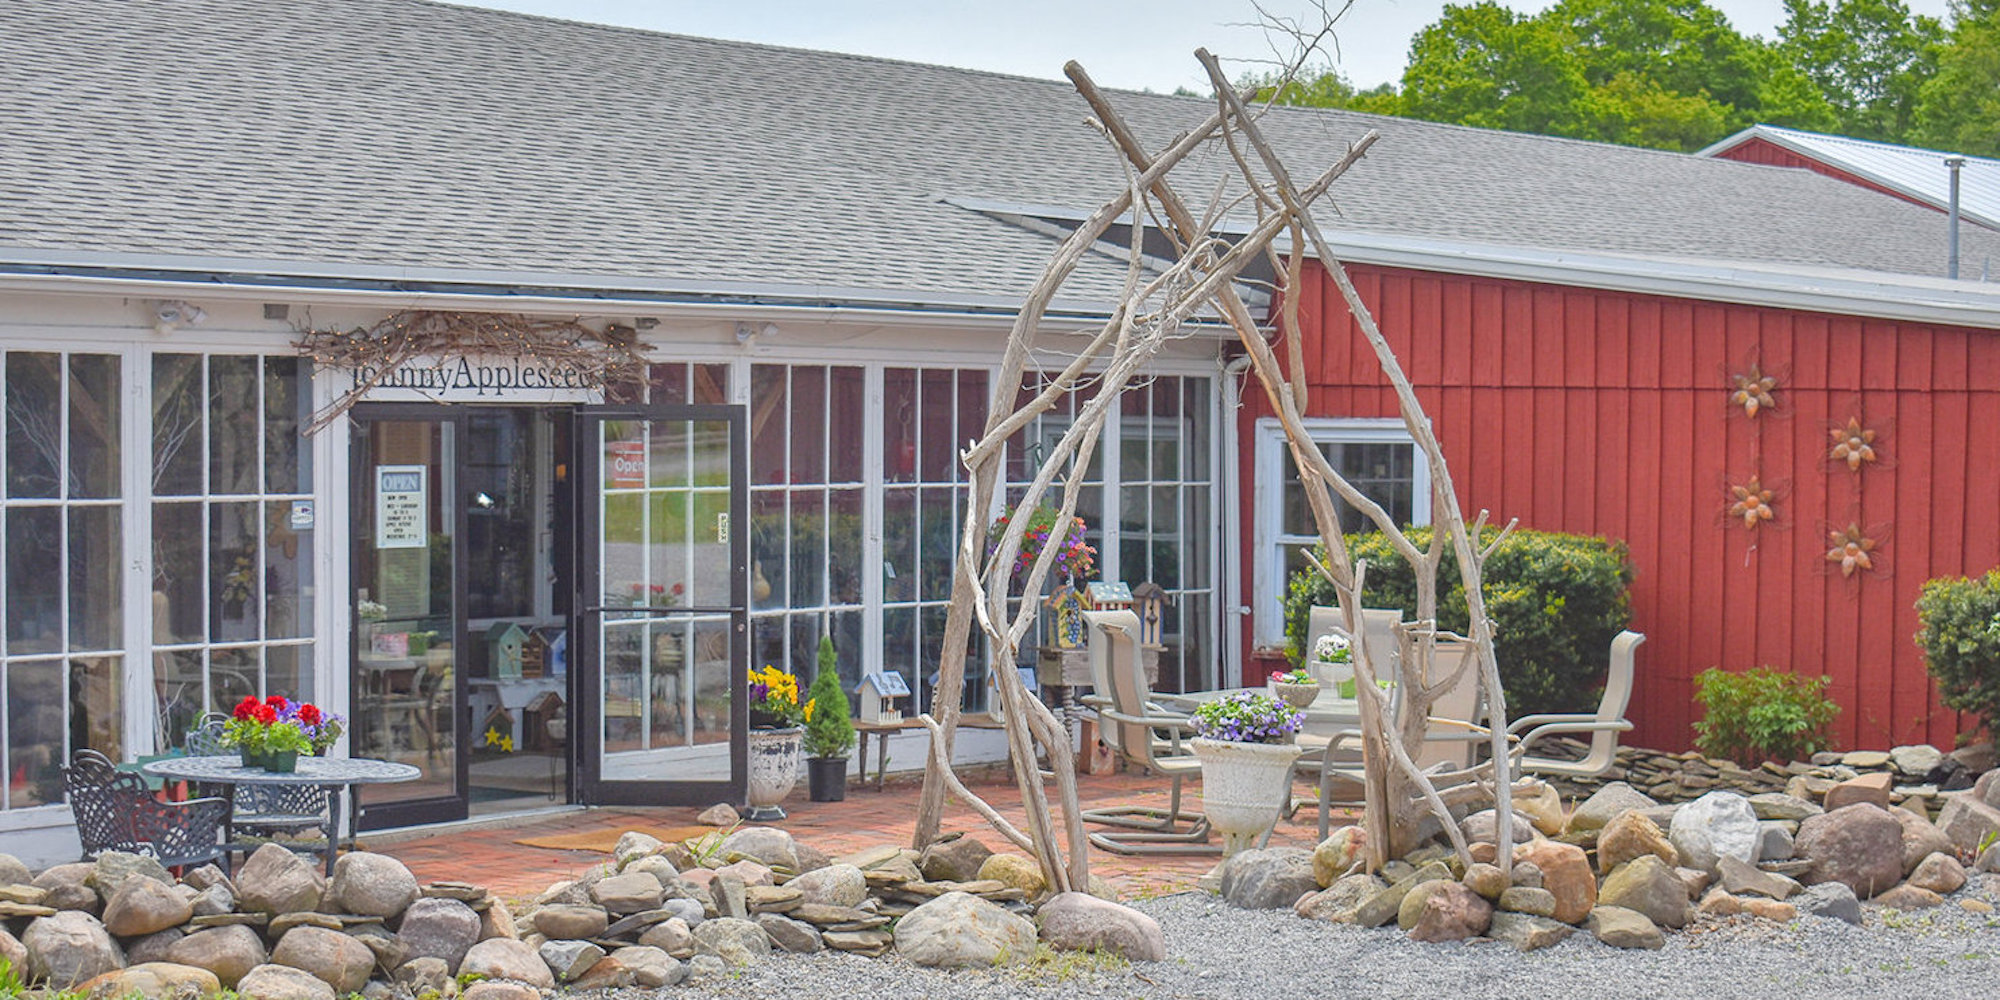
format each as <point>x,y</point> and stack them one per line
<point>264,812</point>
<point>116,812</point>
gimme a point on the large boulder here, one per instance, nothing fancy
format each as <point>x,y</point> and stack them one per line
<point>740,942</point>
<point>1483,827</point>
<point>1917,760</point>
<point>1780,806</point>
<point>1015,872</point>
<point>141,906</point>
<point>1271,878</point>
<point>631,892</point>
<point>229,952</point>
<point>766,845</point>
<point>1451,912</point>
<point>1527,932</point>
<point>1630,835</point>
<point>795,936</point>
<point>1387,904</point>
<point>152,947</point>
<point>1339,902</point>
<point>276,881</point>
<point>507,958</point>
<point>564,921</point>
<point>633,845</point>
<point>1830,899</point>
<point>13,872</point>
<point>440,928</point>
<point>1921,837</point>
<point>955,860</point>
<point>1966,820</point>
<point>1743,879</point>
<point>961,931</point>
<point>374,885</point>
<point>1718,823</point>
<point>340,961</point>
<point>1542,804</point>
<point>1870,788</point>
<point>1649,886</point>
<point>1860,845</point>
<point>675,936</point>
<point>109,872</point>
<point>153,981</point>
<point>1987,788</point>
<point>12,950</point>
<point>69,948</point>
<point>839,885</point>
<point>1566,875</point>
<point>650,967</point>
<point>569,960</point>
<point>1079,921</point>
<point>1940,873</point>
<point>1606,802</point>
<point>280,982</point>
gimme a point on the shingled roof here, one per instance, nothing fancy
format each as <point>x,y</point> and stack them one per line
<point>410,137</point>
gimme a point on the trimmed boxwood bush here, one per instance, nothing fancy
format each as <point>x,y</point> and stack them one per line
<point>1960,637</point>
<point>1557,601</point>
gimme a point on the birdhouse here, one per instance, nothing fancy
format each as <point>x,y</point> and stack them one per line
<point>1149,602</point>
<point>1106,595</point>
<point>1064,627</point>
<point>534,653</point>
<point>558,658</point>
<point>877,697</point>
<point>504,642</point>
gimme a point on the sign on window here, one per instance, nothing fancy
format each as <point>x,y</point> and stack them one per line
<point>400,507</point>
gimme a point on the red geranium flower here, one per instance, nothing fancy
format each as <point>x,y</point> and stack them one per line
<point>265,715</point>
<point>277,702</point>
<point>309,714</point>
<point>245,708</point>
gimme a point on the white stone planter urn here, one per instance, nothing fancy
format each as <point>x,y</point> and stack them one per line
<point>775,758</point>
<point>1243,785</point>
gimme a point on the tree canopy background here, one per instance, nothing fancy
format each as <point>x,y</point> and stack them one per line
<point>1673,74</point>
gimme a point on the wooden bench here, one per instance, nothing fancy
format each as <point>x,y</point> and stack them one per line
<point>882,732</point>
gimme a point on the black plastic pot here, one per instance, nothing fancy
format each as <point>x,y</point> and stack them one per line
<point>826,778</point>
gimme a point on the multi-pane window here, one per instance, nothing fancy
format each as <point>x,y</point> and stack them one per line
<point>1377,456</point>
<point>1165,526</point>
<point>233,527</point>
<point>61,667</point>
<point>807,514</point>
<point>928,414</point>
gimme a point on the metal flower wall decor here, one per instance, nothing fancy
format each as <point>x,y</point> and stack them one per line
<point>1752,503</point>
<point>1853,444</point>
<point>1852,549</point>
<point>1754,391</point>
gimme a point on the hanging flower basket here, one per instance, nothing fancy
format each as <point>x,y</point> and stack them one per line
<point>1074,558</point>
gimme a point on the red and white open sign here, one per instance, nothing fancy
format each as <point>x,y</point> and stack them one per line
<point>624,465</point>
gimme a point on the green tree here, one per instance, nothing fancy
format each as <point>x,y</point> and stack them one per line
<point>1958,109</point>
<point>1327,89</point>
<point>1486,66</point>
<point>1869,59</point>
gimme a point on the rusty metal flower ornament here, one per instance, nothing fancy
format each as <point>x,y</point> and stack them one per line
<point>1753,391</point>
<point>1851,549</point>
<point>1853,444</point>
<point>1752,503</point>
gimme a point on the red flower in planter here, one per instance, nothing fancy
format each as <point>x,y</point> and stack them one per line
<point>277,702</point>
<point>265,715</point>
<point>309,714</point>
<point>245,708</point>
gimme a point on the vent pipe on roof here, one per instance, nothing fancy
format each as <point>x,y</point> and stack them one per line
<point>1954,164</point>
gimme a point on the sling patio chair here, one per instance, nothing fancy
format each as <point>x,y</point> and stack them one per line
<point>1603,726</point>
<point>1144,734</point>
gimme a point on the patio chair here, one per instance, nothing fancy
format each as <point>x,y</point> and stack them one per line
<point>264,812</point>
<point>116,812</point>
<point>1603,726</point>
<point>1143,734</point>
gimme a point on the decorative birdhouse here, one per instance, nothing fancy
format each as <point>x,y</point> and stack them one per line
<point>1149,602</point>
<point>877,697</point>
<point>1106,595</point>
<point>534,653</point>
<point>504,642</point>
<point>1064,626</point>
<point>557,663</point>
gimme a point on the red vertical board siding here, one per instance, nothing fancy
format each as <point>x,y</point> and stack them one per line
<point>1773,155</point>
<point>1607,413</point>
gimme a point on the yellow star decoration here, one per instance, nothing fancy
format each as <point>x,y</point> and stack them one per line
<point>1753,503</point>
<point>1850,549</point>
<point>1853,444</point>
<point>1753,391</point>
<point>492,736</point>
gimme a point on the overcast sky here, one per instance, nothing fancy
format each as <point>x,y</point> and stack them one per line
<point>1138,44</point>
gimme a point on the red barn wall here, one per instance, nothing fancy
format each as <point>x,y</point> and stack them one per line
<point>1608,413</point>
<point>1761,150</point>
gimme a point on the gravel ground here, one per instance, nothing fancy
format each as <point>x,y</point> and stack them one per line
<point>1216,952</point>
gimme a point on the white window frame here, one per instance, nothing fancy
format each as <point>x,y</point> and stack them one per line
<point>1268,621</point>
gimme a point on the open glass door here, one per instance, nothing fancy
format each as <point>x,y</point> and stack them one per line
<point>663,604</point>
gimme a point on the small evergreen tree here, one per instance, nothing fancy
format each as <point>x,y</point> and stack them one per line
<point>829,732</point>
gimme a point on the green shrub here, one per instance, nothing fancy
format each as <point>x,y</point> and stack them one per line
<point>1960,637</point>
<point>1556,600</point>
<point>1762,714</point>
<point>829,733</point>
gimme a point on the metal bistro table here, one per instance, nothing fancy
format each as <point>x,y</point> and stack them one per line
<point>334,774</point>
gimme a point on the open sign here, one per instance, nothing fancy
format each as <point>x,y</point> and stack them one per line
<point>624,465</point>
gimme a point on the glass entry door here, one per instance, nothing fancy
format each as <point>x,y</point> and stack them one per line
<point>408,577</point>
<point>663,604</point>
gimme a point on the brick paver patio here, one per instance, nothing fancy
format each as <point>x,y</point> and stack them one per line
<point>491,856</point>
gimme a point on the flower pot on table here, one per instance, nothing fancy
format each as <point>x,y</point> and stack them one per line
<point>282,761</point>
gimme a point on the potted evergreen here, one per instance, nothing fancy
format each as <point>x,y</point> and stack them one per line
<point>829,732</point>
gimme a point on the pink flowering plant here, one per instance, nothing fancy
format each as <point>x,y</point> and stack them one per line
<point>1247,717</point>
<point>1074,558</point>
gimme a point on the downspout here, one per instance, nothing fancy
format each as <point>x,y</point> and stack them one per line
<point>1234,610</point>
<point>1955,164</point>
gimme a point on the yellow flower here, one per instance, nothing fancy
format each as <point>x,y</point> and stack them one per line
<point>809,709</point>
